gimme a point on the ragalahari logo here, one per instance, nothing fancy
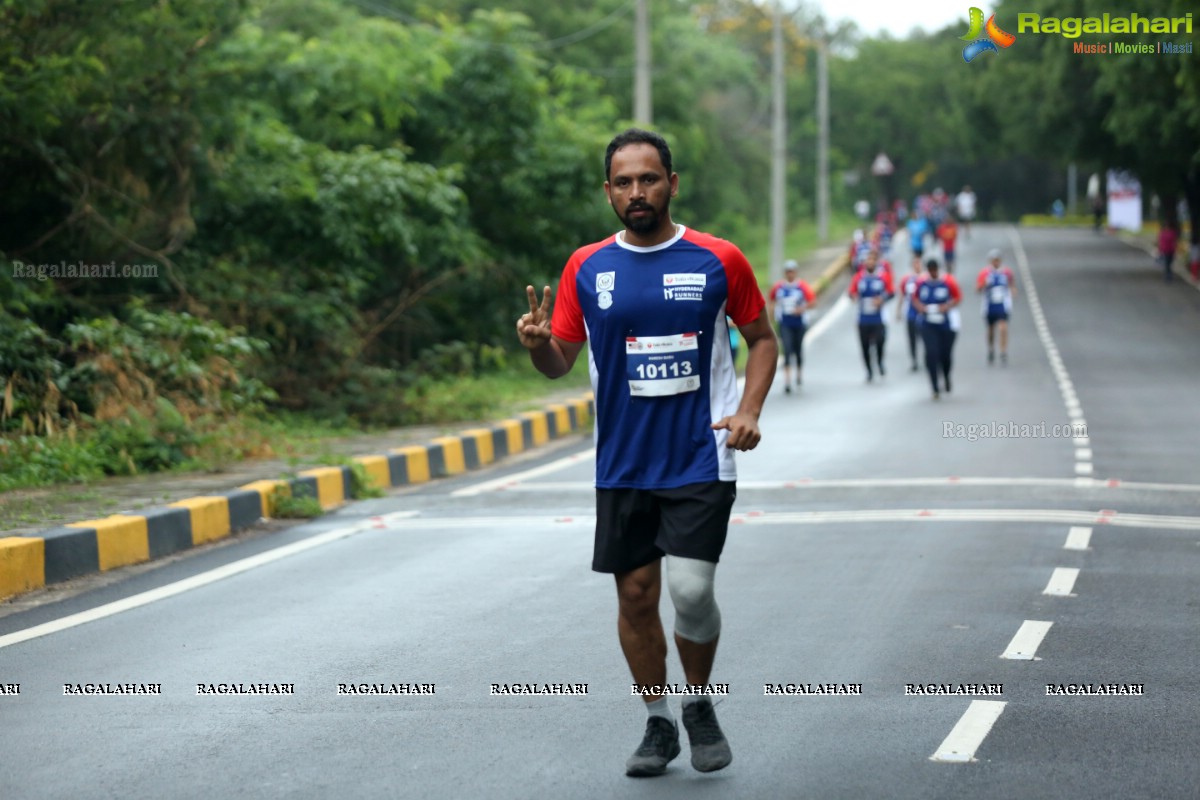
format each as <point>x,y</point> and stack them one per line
<point>994,40</point>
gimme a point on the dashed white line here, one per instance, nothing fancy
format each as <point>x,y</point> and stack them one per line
<point>968,734</point>
<point>1028,638</point>
<point>1078,538</point>
<point>1083,464</point>
<point>1062,581</point>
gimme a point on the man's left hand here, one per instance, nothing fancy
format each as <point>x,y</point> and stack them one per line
<point>743,431</point>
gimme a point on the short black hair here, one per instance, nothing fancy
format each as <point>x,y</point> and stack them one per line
<point>637,136</point>
<point>933,264</point>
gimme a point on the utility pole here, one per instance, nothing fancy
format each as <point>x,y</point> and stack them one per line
<point>778,150</point>
<point>822,138</point>
<point>642,112</point>
<point>1072,192</point>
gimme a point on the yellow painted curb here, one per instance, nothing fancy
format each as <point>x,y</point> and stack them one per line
<point>22,565</point>
<point>210,517</point>
<point>120,539</point>
<point>331,485</point>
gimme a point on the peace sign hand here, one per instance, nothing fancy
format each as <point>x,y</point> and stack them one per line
<point>533,329</point>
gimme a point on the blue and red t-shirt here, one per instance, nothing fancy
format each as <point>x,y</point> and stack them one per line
<point>792,299</point>
<point>908,288</point>
<point>658,353</point>
<point>871,290</point>
<point>996,285</point>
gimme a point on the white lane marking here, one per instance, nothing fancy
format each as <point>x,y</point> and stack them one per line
<point>510,481</point>
<point>1078,538</point>
<point>1066,385</point>
<point>196,581</point>
<point>1082,441</point>
<point>884,483</point>
<point>1083,454</point>
<point>1025,644</point>
<point>1048,516</point>
<point>972,728</point>
<point>1062,581</point>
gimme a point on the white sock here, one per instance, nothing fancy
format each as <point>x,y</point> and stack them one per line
<point>659,708</point>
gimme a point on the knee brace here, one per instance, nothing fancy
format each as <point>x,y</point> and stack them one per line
<point>690,582</point>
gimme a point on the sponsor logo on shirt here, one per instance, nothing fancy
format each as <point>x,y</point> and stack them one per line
<point>684,286</point>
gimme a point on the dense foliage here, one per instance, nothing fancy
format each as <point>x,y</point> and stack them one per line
<point>334,202</point>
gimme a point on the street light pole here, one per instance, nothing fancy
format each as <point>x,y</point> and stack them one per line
<point>641,73</point>
<point>822,139</point>
<point>778,150</point>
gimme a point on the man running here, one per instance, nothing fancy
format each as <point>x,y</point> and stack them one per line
<point>650,303</point>
<point>937,300</point>
<point>788,304</point>
<point>998,286</point>
<point>918,227</point>
<point>907,288</point>
<point>964,207</point>
<point>871,289</point>
<point>947,234</point>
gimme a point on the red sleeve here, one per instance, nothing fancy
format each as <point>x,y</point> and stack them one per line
<point>982,279</point>
<point>567,321</point>
<point>854,284</point>
<point>809,294</point>
<point>887,283</point>
<point>952,284</point>
<point>775,290</point>
<point>745,301</point>
<point>1012,279</point>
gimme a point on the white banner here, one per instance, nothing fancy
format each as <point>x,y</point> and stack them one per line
<point>1124,200</point>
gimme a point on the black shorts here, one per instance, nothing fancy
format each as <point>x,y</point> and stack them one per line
<point>997,316</point>
<point>635,527</point>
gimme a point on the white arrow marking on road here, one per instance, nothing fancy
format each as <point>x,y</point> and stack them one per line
<point>960,745</point>
<point>1026,642</point>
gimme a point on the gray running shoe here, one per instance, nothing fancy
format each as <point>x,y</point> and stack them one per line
<point>658,747</point>
<point>710,750</point>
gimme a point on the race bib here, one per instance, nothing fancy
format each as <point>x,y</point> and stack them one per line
<point>997,294</point>
<point>934,315</point>
<point>869,306</point>
<point>658,366</point>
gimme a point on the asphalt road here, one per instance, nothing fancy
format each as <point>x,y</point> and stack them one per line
<point>875,543</point>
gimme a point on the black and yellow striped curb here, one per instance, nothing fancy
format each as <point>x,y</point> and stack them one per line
<point>80,548</point>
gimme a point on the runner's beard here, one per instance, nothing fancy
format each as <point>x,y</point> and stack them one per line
<point>646,224</point>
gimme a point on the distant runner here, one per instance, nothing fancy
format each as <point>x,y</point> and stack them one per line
<point>937,300</point>
<point>907,288</point>
<point>871,289</point>
<point>998,286</point>
<point>789,304</point>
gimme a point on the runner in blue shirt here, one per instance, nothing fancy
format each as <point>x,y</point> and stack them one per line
<point>871,288</point>
<point>650,304</point>
<point>937,300</point>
